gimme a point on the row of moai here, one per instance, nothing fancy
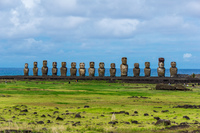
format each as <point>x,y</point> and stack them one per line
<point>101,69</point>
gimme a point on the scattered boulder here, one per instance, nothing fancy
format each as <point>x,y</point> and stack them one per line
<point>164,111</point>
<point>78,116</point>
<point>86,106</point>
<point>113,122</point>
<point>146,114</point>
<point>43,116</point>
<point>135,112</point>
<point>25,110</point>
<point>134,122</point>
<point>40,122</point>
<point>59,118</point>
<point>157,118</point>
<point>186,117</point>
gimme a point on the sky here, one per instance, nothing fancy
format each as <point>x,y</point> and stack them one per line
<point>100,31</point>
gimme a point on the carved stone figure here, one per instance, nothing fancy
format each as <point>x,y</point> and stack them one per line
<point>124,67</point>
<point>161,69</point>
<point>44,68</point>
<point>91,70</point>
<point>63,69</point>
<point>101,69</point>
<point>136,70</point>
<point>82,69</point>
<point>26,70</point>
<point>73,69</point>
<point>35,69</point>
<point>173,70</point>
<point>112,70</point>
<point>147,69</point>
<point>54,69</point>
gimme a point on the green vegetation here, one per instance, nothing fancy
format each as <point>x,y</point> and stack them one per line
<point>36,106</point>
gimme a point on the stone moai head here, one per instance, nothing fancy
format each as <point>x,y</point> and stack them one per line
<point>73,65</point>
<point>161,62</point>
<point>124,60</point>
<point>101,65</point>
<point>136,65</point>
<point>35,64</point>
<point>112,65</point>
<point>147,64</point>
<point>82,65</point>
<point>44,63</point>
<point>26,65</point>
<point>92,64</point>
<point>63,64</point>
<point>54,64</point>
<point>173,64</point>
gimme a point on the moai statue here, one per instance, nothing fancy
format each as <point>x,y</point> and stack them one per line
<point>35,69</point>
<point>112,70</point>
<point>173,70</point>
<point>26,70</point>
<point>82,69</point>
<point>101,69</point>
<point>161,69</point>
<point>73,69</point>
<point>124,67</point>
<point>44,68</point>
<point>63,69</point>
<point>54,69</point>
<point>91,70</point>
<point>136,70</point>
<point>147,69</point>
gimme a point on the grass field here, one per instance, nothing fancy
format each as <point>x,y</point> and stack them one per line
<point>88,106</point>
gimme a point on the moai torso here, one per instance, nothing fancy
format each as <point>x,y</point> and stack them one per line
<point>54,69</point>
<point>147,69</point>
<point>44,68</point>
<point>124,67</point>
<point>101,69</point>
<point>112,70</point>
<point>63,69</point>
<point>82,69</point>
<point>91,70</point>
<point>26,70</point>
<point>161,69</point>
<point>136,70</point>
<point>173,70</point>
<point>35,69</point>
<point>73,69</point>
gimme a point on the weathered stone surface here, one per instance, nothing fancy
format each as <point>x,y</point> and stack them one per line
<point>35,69</point>
<point>170,87</point>
<point>91,70</point>
<point>112,70</point>
<point>161,69</point>
<point>147,69</point>
<point>173,70</point>
<point>164,122</point>
<point>26,70</point>
<point>101,69</point>
<point>124,67</point>
<point>63,69</point>
<point>82,69</point>
<point>73,69</point>
<point>54,69</point>
<point>44,68</point>
<point>136,70</point>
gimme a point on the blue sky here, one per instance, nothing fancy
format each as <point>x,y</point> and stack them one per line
<point>100,31</point>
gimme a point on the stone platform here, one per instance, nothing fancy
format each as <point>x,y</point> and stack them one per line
<point>150,80</point>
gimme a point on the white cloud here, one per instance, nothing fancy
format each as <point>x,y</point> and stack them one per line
<point>187,55</point>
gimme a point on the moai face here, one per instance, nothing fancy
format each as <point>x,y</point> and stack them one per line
<point>63,64</point>
<point>173,64</point>
<point>161,64</point>
<point>44,63</point>
<point>136,65</point>
<point>112,65</point>
<point>35,64</point>
<point>124,60</point>
<point>54,64</point>
<point>82,65</point>
<point>73,65</point>
<point>101,65</point>
<point>147,64</point>
<point>26,65</point>
<point>91,64</point>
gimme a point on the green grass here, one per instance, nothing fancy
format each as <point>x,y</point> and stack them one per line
<point>46,97</point>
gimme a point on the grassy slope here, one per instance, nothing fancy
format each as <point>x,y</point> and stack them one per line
<point>43,96</point>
